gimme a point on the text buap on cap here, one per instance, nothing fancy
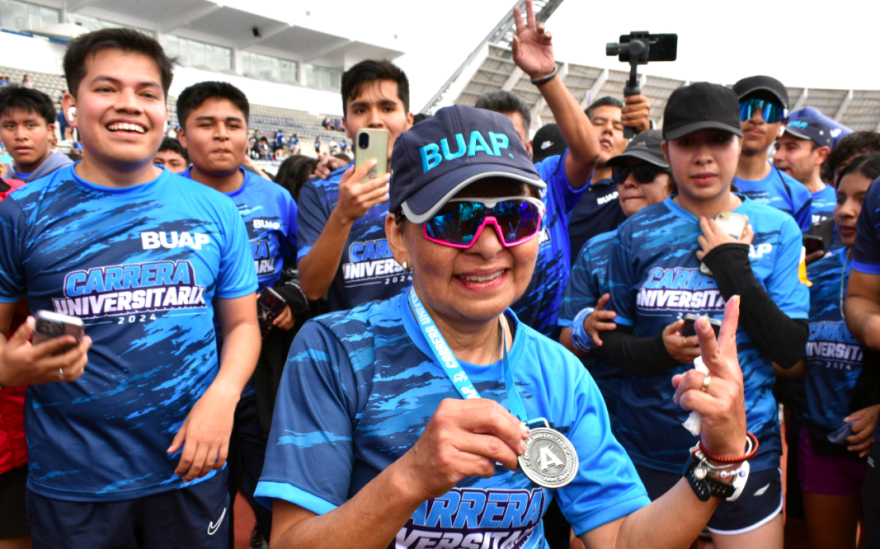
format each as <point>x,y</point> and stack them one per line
<point>458,146</point>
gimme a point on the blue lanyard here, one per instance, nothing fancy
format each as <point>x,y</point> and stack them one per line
<point>445,357</point>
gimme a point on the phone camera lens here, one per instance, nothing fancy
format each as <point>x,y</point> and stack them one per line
<point>364,140</point>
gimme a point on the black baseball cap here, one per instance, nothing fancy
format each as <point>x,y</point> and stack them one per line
<point>439,157</point>
<point>701,106</point>
<point>811,130</point>
<point>548,142</point>
<point>753,85</point>
<point>646,147</point>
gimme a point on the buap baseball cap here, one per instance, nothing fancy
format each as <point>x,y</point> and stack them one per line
<point>437,158</point>
<point>811,130</point>
<point>701,106</point>
<point>645,146</point>
<point>548,142</point>
<point>753,85</point>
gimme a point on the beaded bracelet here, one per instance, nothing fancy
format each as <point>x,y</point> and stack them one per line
<point>545,79</point>
<point>751,449</point>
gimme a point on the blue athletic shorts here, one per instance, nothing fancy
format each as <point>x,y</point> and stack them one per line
<point>193,517</point>
<point>759,503</point>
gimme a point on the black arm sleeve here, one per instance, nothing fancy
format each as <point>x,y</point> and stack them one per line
<point>778,337</point>
<point>638,356</point>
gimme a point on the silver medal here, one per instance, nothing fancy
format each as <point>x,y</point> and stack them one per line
<point>550,459</point>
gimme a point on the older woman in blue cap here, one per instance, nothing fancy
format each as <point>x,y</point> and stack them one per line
<point>436,419</point>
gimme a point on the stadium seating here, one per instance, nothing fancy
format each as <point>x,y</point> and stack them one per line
<point>267,120</point>
<point>495,70</point>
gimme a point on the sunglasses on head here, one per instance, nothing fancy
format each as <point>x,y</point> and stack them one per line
<point>771,111</point>
<point>643,173</point>
<point>460,222</point>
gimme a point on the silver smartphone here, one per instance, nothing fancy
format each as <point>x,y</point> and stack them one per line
<point>369,145</point>
<point>50,325</point>
<point>731,223</point>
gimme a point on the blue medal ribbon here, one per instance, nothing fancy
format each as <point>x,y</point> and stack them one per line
<point>456,374</point>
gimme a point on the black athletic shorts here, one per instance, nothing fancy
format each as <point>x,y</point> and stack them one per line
<point>759,503</point>
<point>13,506</point>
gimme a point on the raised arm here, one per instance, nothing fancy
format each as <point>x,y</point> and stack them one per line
<point>533,53</point>
<point>677,518</point>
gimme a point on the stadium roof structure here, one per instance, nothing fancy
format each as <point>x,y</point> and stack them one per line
<point>305,39</point>
<point>491,68</point>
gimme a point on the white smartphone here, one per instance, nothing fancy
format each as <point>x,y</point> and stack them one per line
<point>731,223</point>
<point>371,145</point>
<point>50,325</point>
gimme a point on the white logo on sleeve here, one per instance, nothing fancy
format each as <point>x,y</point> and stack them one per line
<point>152,240</point>
<point>760,491</point>
<point>212,528</point>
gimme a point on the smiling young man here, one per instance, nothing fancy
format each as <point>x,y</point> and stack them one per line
<point>343,251</point>
<point>214,120</point>
<point>763,108</point>
<point>27,122</point>
<point>128,452</point>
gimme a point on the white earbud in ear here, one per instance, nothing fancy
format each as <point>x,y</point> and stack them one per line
<point>71,113</point>
<point>165,129</point>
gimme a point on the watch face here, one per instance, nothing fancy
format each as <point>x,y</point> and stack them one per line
<point>550,459</point>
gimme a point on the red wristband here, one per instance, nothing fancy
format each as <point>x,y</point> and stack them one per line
<point>746,457</point>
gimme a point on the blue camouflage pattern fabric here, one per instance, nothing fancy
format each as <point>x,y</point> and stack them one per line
<point>781,191</point>
<point>359,388</point>
<point>539,305</point>
<point>655,279</point>
<point>269,213</point>
<point>140,266</point>
<point>587,284</point>
<point>866,258</point>
<point>367,270</point>
<point>834,357</point>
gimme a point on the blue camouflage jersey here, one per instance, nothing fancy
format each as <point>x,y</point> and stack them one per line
<point>539,305</point>
<point>140,266</point>
<point>269,213</point>
<point>834,357</point>
<point>358,391</point>
<point>367,270</point>
<point>781,191</point>
<point>586,285</point>
<point>655,279</point>
<point>867,254</point>
<point>823,203</point>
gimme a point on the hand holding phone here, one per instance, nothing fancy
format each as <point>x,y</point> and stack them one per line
<point>53,357</point>
<point>269,306</point>
<point>731,224</point>
<point>689,330</point>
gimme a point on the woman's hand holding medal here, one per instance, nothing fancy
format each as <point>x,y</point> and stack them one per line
<point>719,397</point>
<point>463,438</point>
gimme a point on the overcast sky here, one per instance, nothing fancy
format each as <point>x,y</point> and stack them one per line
<point>814,44</point>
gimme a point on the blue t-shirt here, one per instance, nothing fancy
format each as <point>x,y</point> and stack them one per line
<point>597,212</point>
<point>587,284</point>
<point>781,191</point>
<point>834,357</point>
<point>655,279</point>
<point>367,270</point>
<point>867,254</point>
<point>140,266</point>
<point>539,305</point>
<point>823,204</point>
<point>269,213</point>
<point>358,391</point>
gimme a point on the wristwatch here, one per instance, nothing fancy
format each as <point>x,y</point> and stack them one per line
<point>705,486</point>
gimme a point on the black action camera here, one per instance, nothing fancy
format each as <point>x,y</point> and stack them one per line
<point>640,48</point>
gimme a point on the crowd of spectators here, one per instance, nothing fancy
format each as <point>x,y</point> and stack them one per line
<point>178,327</point>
